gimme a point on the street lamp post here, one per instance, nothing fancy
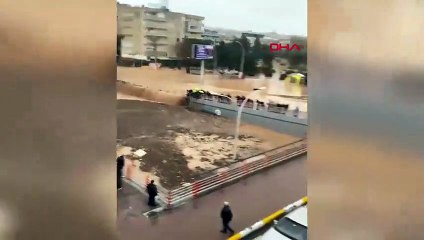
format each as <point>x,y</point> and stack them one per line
<point>240,110</point>
<point>243,53</point>
<point>215,57</point>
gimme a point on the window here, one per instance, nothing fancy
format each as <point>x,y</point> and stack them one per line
<point>127,44</point>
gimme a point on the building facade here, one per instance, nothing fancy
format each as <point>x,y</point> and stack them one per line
<point>144,29</point>
<point>212,35</point>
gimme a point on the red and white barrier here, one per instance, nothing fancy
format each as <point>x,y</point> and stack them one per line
<point>222,176</point>
<point>234,172</point>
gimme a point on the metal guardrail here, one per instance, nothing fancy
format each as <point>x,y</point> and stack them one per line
<point>269,107</point>
<point>267,153</point>
<point>129,177</point>
<point>221,176</point>
<point>233,173</point>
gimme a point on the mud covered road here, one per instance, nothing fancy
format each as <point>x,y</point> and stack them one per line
<point>180,144</point>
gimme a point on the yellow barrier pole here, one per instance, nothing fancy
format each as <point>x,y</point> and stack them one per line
<point>268,219</point>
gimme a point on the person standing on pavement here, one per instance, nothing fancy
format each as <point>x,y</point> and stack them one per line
<point>120,161</point>
<point>226,216</point>
<point>152,190</point>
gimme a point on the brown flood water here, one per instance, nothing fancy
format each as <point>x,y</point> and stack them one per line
<point>177,81</point>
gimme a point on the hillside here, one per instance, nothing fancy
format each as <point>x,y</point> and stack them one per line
<point>232,32</point>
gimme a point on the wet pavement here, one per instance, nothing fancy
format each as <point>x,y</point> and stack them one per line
<point>251,199</point>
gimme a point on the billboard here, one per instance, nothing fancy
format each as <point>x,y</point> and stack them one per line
<point>202,52</point>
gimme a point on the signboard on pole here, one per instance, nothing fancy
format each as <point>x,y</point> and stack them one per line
<point>202,51</point>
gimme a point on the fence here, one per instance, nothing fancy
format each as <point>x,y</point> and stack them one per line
<point>282,109</point>
<point>234,172</point>
<point>221,176</point>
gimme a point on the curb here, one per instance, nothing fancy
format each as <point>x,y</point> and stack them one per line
<point>142,191</point>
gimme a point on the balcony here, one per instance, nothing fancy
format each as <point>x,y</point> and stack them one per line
<point>154,25</point>
<point>152,53</point>
<point>153,18</point>
<point>126,31</point>
<point>195,28</point>
<point>150,44</point>
<point>159,34</point>
<point>194,35</point>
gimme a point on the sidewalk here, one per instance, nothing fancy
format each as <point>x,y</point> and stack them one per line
<point>250,199</point>
<point>131,203</point>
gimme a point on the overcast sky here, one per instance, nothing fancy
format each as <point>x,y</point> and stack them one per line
<point>282,16</point>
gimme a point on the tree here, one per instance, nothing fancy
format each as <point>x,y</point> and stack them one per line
<point>245,43</point>
<point>267,58</point>
<point>229,56</point>
<point>256,50</point>
<point>297,59</point>
<point>234,55</point>
<point>250,64</point>
<point>222,54</point>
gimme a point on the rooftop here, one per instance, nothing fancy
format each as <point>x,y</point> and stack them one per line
<point>150,9</point>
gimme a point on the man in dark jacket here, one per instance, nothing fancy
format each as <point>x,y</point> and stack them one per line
<point>153,192</point>
<point>226,216</point>
<point>120,162</point>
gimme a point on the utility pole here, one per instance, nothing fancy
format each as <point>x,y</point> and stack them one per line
<point>243,52</point>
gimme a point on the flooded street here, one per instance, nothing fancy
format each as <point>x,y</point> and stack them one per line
<point>169,86</point>
<point>199,220</point>
<point>177,81</point>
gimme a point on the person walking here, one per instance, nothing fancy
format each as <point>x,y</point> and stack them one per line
<point>296,112</point>
<point>152,190</point>
<point>120,162</point>
<point>226,216</point>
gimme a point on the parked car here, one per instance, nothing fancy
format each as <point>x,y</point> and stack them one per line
<point>293,226</point>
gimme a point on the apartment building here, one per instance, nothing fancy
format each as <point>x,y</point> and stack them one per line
<point>145,28</point>
<point>212,35</point>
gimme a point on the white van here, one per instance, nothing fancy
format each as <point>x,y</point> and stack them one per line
<point>293,226</point>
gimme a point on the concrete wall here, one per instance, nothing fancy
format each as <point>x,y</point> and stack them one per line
<point>288,124</point>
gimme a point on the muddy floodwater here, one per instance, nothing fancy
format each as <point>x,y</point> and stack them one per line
<point>181,145</point>
<point>175,81</point>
